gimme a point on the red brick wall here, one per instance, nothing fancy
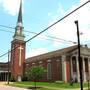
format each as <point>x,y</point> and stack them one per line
<point>56,68</point>
<point>15,68</point>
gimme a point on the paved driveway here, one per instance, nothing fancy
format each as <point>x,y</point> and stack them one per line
<point>5,87</point>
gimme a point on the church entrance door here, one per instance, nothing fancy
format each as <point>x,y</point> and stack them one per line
<point>19,78</point>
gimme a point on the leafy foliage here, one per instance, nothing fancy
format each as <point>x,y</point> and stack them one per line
<point>12,79</point>
<point>35,73</point>
<point>24,78</point>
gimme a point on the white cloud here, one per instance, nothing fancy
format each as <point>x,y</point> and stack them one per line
<point>66,29</point>
<point>35,52</point>
<point>0,1</point>
<point>10,6</point>
<point>60,10</point>
<point>41,37</point>
<point>83,1</point>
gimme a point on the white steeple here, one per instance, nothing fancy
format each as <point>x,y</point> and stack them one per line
<point>19,27</point>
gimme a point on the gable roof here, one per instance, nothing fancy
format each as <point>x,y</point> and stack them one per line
<point>52,54</point>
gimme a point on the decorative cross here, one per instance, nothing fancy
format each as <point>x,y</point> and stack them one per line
<point>20,57</point>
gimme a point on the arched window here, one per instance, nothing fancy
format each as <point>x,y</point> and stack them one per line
<point>49,71</point>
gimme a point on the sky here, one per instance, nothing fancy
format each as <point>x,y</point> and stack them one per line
<point>38,15</point>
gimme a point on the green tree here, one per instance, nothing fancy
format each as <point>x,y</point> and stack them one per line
<point>35,73</point>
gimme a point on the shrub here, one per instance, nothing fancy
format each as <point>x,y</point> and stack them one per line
<point>12,79</point>
<point>24,78</point>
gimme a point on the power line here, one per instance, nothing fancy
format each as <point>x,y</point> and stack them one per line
<point>6,31</point>
<point>55,38</point>
<point>51,25</point>
<point>51,37</point>
<point>14,29</point>
<point>63,39</point>
<point>58,21</point>
<point>7,26</point>
<point>10,31</point>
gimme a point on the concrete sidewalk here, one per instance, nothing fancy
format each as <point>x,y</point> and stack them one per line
<point>5,87</point>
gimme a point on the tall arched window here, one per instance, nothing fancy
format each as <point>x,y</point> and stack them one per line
<point>49,71</point>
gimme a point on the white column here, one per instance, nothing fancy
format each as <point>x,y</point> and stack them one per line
<point>77,63</point>
<point>83,71</point>
<point>5,76</point>
<point>89,67</point>
<point>64,68</point>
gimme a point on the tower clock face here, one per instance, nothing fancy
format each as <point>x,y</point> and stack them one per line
<point>18,31</point>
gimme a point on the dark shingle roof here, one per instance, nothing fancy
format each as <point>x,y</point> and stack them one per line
<point>52,54</point>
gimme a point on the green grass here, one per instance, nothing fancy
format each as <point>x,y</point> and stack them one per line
<point>48,86</point>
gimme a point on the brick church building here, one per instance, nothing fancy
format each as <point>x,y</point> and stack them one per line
<point>61,65</point>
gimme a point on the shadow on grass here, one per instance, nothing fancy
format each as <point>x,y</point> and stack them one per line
<point>34,88</point>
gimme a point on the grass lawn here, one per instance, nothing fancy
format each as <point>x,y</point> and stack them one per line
<point>48,86</point>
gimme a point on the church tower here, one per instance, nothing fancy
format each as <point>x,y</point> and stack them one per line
<point>18,49</point>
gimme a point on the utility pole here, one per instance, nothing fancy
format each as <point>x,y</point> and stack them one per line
<point>79,59</point>
<point>8,69</point>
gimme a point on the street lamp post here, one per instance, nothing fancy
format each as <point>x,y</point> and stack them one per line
<point>88,81</point>
<point>79,59</point>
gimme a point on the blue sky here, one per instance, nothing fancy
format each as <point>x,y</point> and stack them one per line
<point>39,14</point>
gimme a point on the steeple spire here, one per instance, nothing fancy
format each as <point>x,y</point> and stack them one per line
<point>19,27</point>
<point>19,21</point>
<point>18,54</point>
